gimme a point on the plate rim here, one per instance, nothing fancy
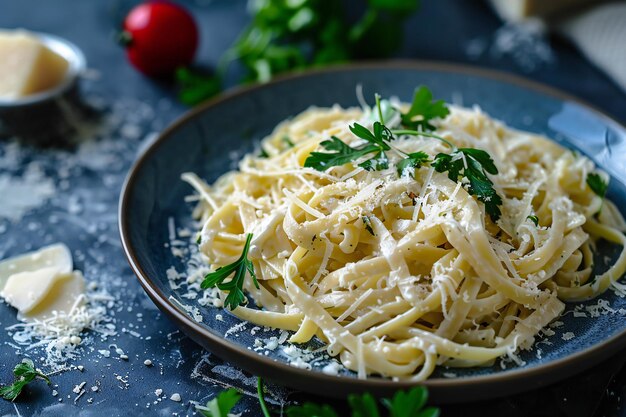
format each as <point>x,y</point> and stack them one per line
<point>514,380</point>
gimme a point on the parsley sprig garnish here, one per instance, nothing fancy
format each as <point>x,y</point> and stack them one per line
<point>473,164</point>
<point>377,143</point>
<point>240,267</point>
<point>423,110</point>
<point>409,403</point>
<point>468,165</point>
<point>344,153</point>
<point>464,163</point>
<point>24,373</point>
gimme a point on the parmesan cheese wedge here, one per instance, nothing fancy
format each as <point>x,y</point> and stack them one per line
<point>66,293</point>
<point>25,290</point>
<point>28,66</point>
<point>57,256</point>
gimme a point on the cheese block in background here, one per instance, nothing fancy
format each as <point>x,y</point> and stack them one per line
<point>27,65</point>
<point>517,10</point>
<point>66,293</point>
<point>57,255</point>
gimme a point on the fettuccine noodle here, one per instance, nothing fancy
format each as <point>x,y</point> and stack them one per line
<point>399,274</point>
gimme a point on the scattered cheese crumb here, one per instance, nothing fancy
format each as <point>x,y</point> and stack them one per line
<point>176,397</point>
<point>332,368</point>
<point>78,388</point>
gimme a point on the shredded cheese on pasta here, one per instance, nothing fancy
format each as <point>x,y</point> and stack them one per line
<point>433,281</point>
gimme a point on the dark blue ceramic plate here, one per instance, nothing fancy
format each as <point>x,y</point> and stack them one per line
<point>203,139</point>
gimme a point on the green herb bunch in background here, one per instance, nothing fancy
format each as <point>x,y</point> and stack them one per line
<point>411,403</point>
<point>296,34</point>
<point>287,35</point>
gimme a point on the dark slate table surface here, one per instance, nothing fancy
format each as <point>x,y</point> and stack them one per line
<point>76,202</point>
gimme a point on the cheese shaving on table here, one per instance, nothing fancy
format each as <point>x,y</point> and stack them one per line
<point>52,302</point>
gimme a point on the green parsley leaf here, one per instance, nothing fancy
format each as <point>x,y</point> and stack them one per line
<point>534,219</point>
<point>413,160</point>
<point>379,135</point>
<point>403,404</point>
<point>24,373</point>
<point>399,6</point>
<point>597,184</point>
<point>11,392</point>
<point>471,164</point>
<point>27,369</point>
<point>368,225</point>
<point>311,410</point>
<point>222,404</point>
<point>236,296</point>
<point>343,154</point>
<point>423,110</point>
<point>410,404</point>
<point>363,405</point>
<point>377,138</point>
<point>195,87</point>
<point>290,35</point>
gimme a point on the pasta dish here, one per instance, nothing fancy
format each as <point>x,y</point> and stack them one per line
<point>407,235</point>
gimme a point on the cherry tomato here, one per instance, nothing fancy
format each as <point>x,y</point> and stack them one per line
<point>159,37</point>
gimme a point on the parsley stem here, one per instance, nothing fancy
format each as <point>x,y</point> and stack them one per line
<point>380,110</point>
<point>259,390</point>
<point>418,133</point>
